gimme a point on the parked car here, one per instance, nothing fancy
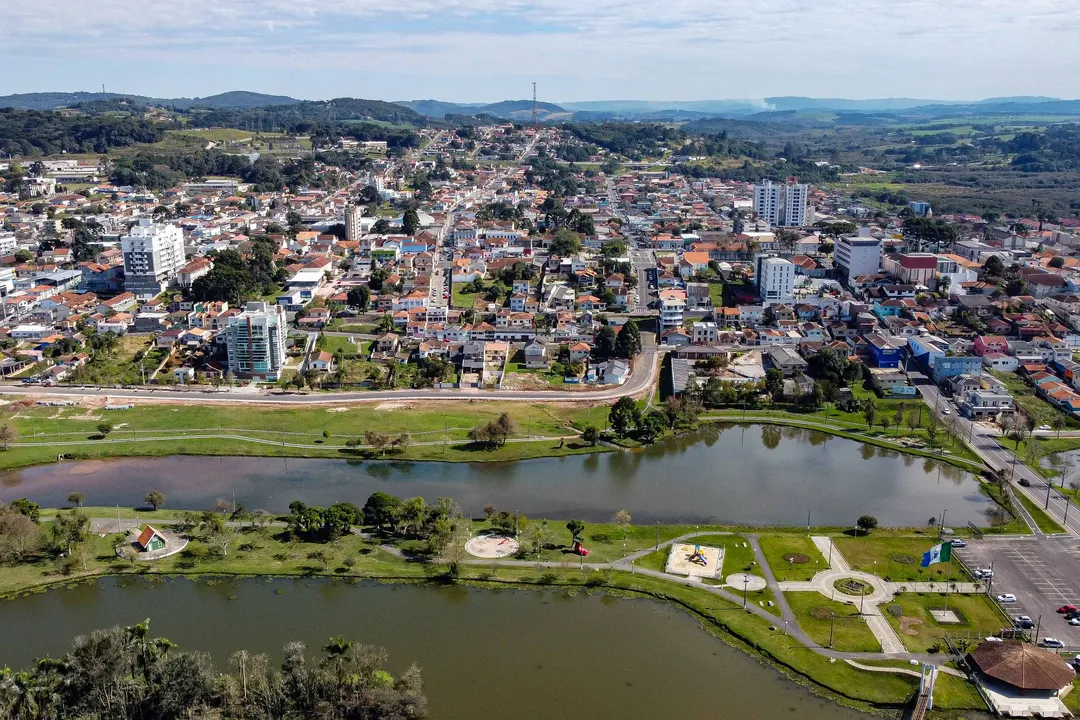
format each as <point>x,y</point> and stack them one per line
<point>1074,621</point>
<point>1067,609</point>
<point>1006,598</point>
<point>983,573</point>
<point>958,543</point>
<point>1023,621</point>
<point>1052,643</point>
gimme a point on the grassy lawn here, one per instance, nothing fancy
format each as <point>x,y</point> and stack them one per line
<point>461,299</point>
<point>58,428</point>
<point>118,366</point>
<point>897,558</point>
<point>254,552</point>
<point>919,631</point>
<point>333,343</point>
<point>1035,407</point>
<point>775,547</point>
<point>953,693</point>
<point>716,294</point>
<point>1044,522</point>
<point>849,629</point>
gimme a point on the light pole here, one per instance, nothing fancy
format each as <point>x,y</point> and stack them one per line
<point>657,534</point>
<point>745,583</point>
<point>941,530</point>
<point>1046,506</point>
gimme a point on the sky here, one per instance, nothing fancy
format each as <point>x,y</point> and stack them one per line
<point>576,50</point>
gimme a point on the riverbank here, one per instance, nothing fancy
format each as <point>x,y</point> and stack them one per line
<point>432,431</point>
<point>757,628</point>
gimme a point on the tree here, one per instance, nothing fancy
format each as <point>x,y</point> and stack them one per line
<point>8,435</point>
<point>359,297</point>
<point>1057,262</point>
<point>402,441</point>
<point>624,414</point>
<point>590,435</point>
<point>76,498</point>
<point>217,533</point>
<point>26,507</point>
<point>652,426</point>
<point>622,519</point>
<point>380,227</point>
<point>104,428</point>
<point>605,342</point>
<point>628,342</point>
<point>870,415</point>
<point>377,441</point>
<point>774,384</point>
<point>565,243</point>
<point>19,536</point>
<point>69,529</point>
<point>994,266</point>
<point>410,221</point>
<point>576,527</point>
<point>155,499</point>
<point>866,523</point>
<point>536,536</point>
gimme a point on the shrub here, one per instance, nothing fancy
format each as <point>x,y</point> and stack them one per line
<point>895,610</point>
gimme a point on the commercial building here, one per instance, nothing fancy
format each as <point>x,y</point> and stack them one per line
<point>776,280</point>
<point>153,255</point>
<point>854,256</point>
<point>256,342</point>
<point>784,205</point>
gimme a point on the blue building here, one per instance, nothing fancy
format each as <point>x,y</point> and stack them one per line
<point>883,352</point>
<point>939,361</point>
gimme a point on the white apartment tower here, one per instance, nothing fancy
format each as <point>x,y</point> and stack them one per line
<point>353,214</point>
<point>784,205</point>
<point>153,255</point>
<point>856,255</point>
<point>256,342</point>
<point>776,280</point>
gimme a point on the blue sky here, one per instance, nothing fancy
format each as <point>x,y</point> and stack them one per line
<point>488,50</point>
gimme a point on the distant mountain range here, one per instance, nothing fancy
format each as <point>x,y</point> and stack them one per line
<point>235,100</point>
<point>781,109</point>
<point>508,109</point>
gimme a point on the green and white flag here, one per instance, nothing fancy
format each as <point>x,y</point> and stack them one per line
<point>937,554</point>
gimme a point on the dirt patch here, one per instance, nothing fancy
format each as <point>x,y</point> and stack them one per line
<point>903,558</point>
<point>910,625</point>
<point>392,406</point>
<point>797,558</point>
<point>823,613</point>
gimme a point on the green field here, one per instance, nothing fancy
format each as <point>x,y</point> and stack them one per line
<point>775,547</point>
<point>920,632</point>
<point>896,558</point>
<point>1043,521</point>
<point>849,629</point>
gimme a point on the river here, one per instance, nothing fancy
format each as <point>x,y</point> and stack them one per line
<point>483,653</point>
<point>752,474</point>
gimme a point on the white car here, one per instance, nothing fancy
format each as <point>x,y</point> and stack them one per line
<point>1044,427</point>
<point>1075,621</point>
<point>946,411</point>
<point>1006,598</point>
<point>984,573</point>
<point>1050,642</point>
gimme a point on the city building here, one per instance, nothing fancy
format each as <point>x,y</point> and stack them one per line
<point>256,341</point>
<point>153,255</point>
<point>858,255</point>
<point>776,280</point>
<point>784,205</point>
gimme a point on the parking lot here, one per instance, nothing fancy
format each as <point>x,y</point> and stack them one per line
<point>1043,574</point>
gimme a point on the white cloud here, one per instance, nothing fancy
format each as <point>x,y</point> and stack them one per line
<point>585,49</point>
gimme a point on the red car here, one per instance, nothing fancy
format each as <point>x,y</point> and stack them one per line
<point>1067,609</point>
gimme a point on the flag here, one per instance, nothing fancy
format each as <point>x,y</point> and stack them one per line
<point>937,554</point>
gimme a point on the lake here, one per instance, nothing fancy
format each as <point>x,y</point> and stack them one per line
<point>745,474</point>
<point>484,653</point>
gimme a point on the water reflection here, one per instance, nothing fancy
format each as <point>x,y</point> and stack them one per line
<point>751,474</point>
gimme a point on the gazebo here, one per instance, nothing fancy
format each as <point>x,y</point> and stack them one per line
<point>1021,680</point>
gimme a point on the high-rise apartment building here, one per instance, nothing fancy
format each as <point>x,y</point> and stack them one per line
<point>353,213</point>
<point>784,205</point>
<point>256,342</point>
<point>856,255</point>
<point>776,280</point>
<point>153,255</point>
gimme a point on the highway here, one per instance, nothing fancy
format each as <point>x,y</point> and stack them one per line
<point>984,441</point>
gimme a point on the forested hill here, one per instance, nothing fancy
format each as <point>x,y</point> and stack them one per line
<point>337,110</point>
<point>236,100</point>
<point>32,132</point>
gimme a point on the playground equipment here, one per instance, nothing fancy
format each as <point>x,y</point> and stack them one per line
<point>697,557</point>
<point>579,549</point>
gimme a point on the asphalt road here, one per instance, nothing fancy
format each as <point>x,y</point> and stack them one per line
<point>984,441</point>
<point>642,378</point>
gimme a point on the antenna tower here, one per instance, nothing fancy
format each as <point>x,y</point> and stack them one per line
<point>535,118</point>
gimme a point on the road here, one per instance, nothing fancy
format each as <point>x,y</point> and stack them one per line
<point>642,379</point>
<point>984,441</point>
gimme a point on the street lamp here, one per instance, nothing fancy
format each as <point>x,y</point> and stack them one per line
<point>745,583</point>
